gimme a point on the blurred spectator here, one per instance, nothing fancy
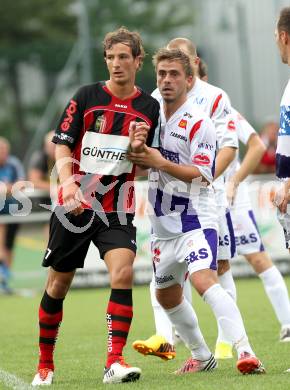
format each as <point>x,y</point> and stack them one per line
<point>268,133</point>
<point>40,167</point>
<point>39,173</point>
<point>11,171</point>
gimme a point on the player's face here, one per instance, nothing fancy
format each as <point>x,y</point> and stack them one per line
<point>121,64</point>
<point>282,45</point>
<point>172,81</point>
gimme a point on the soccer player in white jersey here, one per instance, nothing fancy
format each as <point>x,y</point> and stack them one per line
<point>215,103</point>
<point>282,34</point>
<point>184,224</point>
<point>247,235</point>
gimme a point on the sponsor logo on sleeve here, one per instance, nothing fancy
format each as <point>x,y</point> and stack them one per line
<point>70,111</point>
<point>201,159</point>
<point>65,137</point>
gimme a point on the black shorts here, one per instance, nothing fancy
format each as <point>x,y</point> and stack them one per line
<point>67,250</point>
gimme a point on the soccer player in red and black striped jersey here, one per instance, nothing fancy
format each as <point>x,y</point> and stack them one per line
<point>96,198</point>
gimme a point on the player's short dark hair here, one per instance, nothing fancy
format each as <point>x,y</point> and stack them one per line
<point>174,55</point>
<point>129,38</point>
<point>202,68</point>
<point>283,23</point>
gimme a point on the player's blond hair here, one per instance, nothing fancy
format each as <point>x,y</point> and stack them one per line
<point>174,55</point>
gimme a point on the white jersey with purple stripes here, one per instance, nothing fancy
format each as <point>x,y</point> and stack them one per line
<point>187,138</point>
<point>283,143</point>
<point>216,104</point>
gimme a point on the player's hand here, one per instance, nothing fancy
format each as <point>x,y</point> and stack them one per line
<point>150,158</point>
<point>231,190</point>
<point>72,198</point>
<point>281,197</point>
<point>138,133</point>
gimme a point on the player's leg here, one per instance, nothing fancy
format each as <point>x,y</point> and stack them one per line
<point>161,343</point>
<point>223,306</point>
<point>117,247</point>
<point>162,323</point>
<point>185,251</point>
<point>65,252</point>
<point>226,251</point>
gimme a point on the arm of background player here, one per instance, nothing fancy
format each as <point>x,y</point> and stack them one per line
<point>224,157</point>
<point>255,151</point>
<point>225,127</point>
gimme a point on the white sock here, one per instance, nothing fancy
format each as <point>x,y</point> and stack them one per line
<point>228,317</point>
<point>184,319</point>
<point>162,322</point>
<point>227,282</point>
<point>187,290</point>
<point>277,292</point>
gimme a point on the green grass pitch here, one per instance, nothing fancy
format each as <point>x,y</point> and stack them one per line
<point>80,351</point>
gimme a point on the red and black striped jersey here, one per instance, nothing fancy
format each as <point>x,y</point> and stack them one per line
<point>95,125</point>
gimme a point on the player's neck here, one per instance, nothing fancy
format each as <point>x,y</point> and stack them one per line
<point>121,91</point>
<point>171,107</point>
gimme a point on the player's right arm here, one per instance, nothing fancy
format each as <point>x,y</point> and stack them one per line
<point>71,193</point>
<point>66,137</point>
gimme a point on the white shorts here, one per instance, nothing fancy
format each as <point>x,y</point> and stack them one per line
<point>227,246</point>
<point>284,220</point>
<point>247,235</point>
<point>192,252</point>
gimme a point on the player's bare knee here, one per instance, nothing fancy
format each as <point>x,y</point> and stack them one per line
<point>203,280</point>
<point>57,288</point>
<point>223,267</point>
<point>122,277</point>
<point>259,261</point>
<point>169,297</point>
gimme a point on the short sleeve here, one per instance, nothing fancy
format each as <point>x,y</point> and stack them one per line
<point>224,122</point>
<point>71,122</point>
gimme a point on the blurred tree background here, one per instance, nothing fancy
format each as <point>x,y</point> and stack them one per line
<point>37,38</point>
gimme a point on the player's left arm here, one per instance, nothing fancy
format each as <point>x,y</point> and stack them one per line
<point>254,153</point>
